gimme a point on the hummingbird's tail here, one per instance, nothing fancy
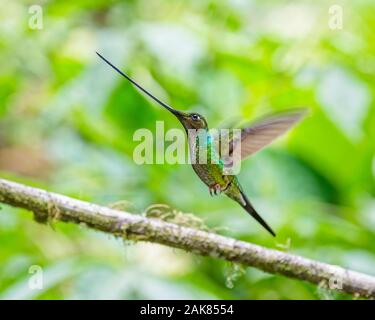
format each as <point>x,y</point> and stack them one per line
<point>250,209</point>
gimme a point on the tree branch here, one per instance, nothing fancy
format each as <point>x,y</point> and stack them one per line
<point>47,205</point>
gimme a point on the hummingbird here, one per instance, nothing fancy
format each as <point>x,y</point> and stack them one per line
<point>252,139</point>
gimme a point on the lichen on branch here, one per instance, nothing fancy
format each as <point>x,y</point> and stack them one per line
<point>55,207</point>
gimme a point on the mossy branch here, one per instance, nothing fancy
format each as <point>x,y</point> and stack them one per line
<point>47,205</point>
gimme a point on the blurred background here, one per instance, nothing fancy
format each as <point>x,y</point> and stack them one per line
<point>67,122</point>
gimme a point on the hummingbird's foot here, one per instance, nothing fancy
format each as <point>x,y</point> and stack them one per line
<point>214,189</point>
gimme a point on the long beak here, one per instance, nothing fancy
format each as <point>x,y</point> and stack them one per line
<point>177,113</point>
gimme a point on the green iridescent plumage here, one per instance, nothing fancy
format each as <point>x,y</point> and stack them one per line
<point>250,140</point>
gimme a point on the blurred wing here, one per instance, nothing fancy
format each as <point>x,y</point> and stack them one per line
<point>223,131</point>
<point>265,131</point>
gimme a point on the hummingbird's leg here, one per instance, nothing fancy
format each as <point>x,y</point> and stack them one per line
<point>211,190</point>
<point>217,189</point>
<point>214,189</point>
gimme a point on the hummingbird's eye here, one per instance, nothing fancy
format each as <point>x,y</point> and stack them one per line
<point>195,117</point>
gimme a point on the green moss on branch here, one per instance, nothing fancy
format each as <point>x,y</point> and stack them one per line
<point>51,206</point>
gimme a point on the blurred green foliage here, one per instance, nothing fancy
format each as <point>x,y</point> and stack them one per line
<point>67,123</point>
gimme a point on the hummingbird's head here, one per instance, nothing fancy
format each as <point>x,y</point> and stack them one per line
<point>190,120</point>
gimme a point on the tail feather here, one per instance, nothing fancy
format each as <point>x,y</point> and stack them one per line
<point>250,209</point>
